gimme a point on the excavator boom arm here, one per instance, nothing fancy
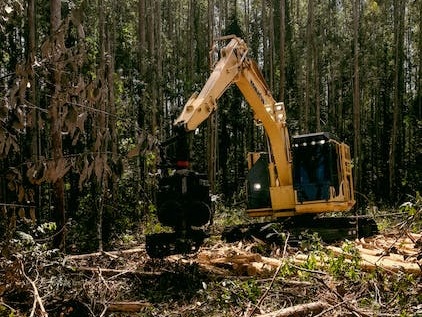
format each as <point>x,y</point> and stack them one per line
<point>200,106</point>
<point>234,67</point>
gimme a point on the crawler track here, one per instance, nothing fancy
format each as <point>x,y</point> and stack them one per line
<point>329,229</point>
<point>160,245</point>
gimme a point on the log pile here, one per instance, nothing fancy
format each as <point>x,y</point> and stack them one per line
<point>390,253</point>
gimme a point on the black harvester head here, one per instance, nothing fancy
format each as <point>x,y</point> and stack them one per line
<point>184,204</point>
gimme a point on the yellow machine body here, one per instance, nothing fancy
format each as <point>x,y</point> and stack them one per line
<point>281,171</point>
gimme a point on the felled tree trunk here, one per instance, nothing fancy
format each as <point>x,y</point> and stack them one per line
<point>298,310</point>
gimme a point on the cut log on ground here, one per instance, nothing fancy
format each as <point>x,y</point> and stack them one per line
<point>111,272</point>
<point>108,253</point>
<point>393,262</point>
<point>298,310</point>
<point>127,307</point>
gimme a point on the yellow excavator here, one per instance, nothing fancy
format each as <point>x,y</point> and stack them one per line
<point>305,174</point>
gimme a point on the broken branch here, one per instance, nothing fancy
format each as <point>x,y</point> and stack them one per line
<point>37,298</point>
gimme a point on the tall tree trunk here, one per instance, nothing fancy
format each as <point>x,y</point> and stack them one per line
<point>213,122</point>
<point>113,113</point>
<point>30,62</point>
<point>308,69</point>
<point>399,18</point>
<point>56,133</point>
<point>356,94</point>
<point>143,59</point>
<point>315,53</point>
<point>282,48</point>
<point>264,26</point>
<point>316,45</point>
<point>101,189</point>
<point>191,41</point>
<point>246,12</point>
<point>34,130</point>
<point>141,35</point>
<point>271,40</point>
<point>151,26</point>
<point>157,79</point>
<point>55,15</point>
<point>419,76</point>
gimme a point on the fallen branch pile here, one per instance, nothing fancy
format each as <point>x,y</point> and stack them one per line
<point>289,282</point>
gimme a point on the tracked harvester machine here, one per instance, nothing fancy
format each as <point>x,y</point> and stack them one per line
<point>303,175</point>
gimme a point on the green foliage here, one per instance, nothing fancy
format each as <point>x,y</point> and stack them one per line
<point>235,292</point>
<point>226,216</point>
<point>340,266</point>
<point>6,312</point>
<point>151,223</point>
<point>346,264</point>
<point>47,227</point>
<point>32,258</point>
<point>312,262</point>
<point>404,286</point>
<point>310,242</point>
<point>397,290</point>
<point>413,212</point>
<point>287,269</point>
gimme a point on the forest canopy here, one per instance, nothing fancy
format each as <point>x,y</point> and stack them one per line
<point>89,91</point>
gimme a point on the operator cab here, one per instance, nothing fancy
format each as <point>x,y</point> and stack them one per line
<point>315,166</point>
<point>322,176</point>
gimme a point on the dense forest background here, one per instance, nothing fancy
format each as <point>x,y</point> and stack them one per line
<point>89,90</point>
